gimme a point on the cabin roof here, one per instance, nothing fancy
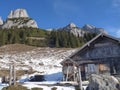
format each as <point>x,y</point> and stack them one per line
<point>94,39</point>
<point>90,42</point>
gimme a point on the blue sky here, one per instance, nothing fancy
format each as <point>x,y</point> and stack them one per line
<point>59,13</point>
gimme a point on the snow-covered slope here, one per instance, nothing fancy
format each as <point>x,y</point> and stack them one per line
<point>44,60</point>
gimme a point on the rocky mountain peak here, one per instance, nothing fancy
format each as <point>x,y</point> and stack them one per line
<point>72,28</point>
<point>18,13</point>
<point>19,18</point>
<point>88,26</point>
<point>92,29</point>
<point>1,21</point>
<point>71,25</point>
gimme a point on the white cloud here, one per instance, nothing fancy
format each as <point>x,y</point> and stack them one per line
<point>116,3</point>
<point>118,33</point>
<point>114,7</point>
<point>114,31</point>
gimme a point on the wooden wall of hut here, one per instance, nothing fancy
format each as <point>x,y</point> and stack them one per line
<point>103,49</point>
<point>100,52</point>
<point>88,69</point>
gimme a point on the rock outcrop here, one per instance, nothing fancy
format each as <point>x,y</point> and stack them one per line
<point>19,18</point>
<point>1,21</point>
<point>72,28</point>
<point>71,25</point>
<point>103,82</point>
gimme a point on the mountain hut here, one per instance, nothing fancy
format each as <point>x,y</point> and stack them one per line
<point>101,55</point>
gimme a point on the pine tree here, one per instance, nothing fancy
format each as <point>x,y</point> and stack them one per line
<point>57,43</point>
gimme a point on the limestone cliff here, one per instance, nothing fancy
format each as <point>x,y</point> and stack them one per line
<point>18,13</point>
<point>19,18</point>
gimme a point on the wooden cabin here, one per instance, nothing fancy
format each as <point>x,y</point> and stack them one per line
<point>101,55</point>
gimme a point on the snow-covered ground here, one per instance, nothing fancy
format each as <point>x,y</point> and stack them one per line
<point>45,61</point>
<point>32,85</point>
<point>2,85</point>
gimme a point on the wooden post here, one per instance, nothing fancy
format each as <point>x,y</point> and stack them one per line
<point>14,74</point>
<point>74,72</point>
<point>67,73</point>
<point>63,77</point>
<point>10,75</point>
<point>79,78</point>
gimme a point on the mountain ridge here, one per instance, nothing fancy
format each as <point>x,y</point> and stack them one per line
<point>20,28</point>
<point>77,31</point>
<point>19,18</point>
